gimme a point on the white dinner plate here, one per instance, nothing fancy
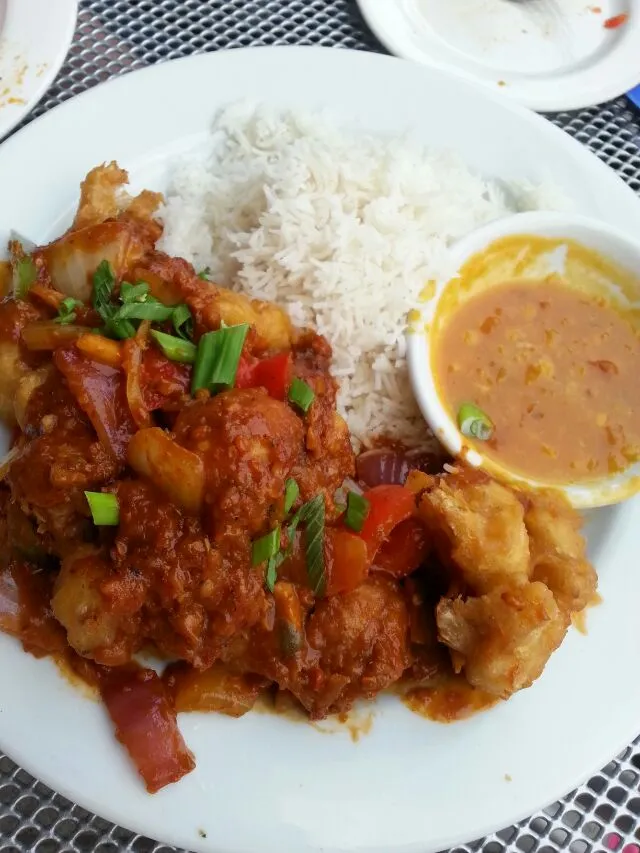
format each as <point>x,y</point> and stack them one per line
<point>546,54</point>
<point>34,39</point>
<point>265,784</point>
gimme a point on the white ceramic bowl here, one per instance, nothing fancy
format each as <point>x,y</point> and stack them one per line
<point>608,242</point>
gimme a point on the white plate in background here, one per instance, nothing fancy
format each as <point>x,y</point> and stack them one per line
<point>548,55</point>
<point>34,39</point>
<point>266,784</point>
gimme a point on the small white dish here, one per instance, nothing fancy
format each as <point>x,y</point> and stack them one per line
<point>548,55</point>
<point>34,40</point>
<point>612,244</point>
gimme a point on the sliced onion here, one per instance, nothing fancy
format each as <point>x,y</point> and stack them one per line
<point>133,351</point>
<point>215,689</point>
<point>385,466</point>
<point>47,335</point>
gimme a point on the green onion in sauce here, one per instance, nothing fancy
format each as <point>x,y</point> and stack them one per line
<point>301,394</point>
<point>474,423</point>
<point>104,507</point>
<point>175,349</point>
<point>357,511</point>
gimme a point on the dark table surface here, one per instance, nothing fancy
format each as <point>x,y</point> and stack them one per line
<point>114,36</point>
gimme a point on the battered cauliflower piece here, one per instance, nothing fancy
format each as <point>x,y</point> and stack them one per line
<point>503,639</point>
<point>102,197</point>
<point>558,550</point>
<point>478,525</point>
<point>249,444</point>
<point>93,629</point>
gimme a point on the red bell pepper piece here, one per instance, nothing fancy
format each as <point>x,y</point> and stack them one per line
<point>388,507</point>
<point>404,551</point>
<point>346,561</point>
<point>273,374</point>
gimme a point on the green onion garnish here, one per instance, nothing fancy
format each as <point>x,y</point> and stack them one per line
<point>313,514</point>
<point>104,508</point>
<point>217,358</point>
<point>266,547</point>
<point>175,349</point>
<point>473,422</point>
<point>204,275</point>
<point>134,292</point>
<point>183,321</point>
<point>104,281</point>
<point>122,329</point>
<point>301,394</point>
<point>25,274</point>
<point>291,492</point>
<point>67,311</point>
<point>151,310</point>
<point>271,575</point>
<point>357,511</point>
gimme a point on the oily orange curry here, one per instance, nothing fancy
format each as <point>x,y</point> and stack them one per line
<point>554,371</point>
<point>180,483</point>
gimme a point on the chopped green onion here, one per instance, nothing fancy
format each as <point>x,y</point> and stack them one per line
<point>313,515</point>
<point>183,321</point>
<point>266,547</point>
<point>134,292</point>
<point>205,357</point>
<point>291,492</point>
<point>204,275</point>
<point>104,281</point>
<point>217,358</point>
<point>154,311</point>
<point>474,423</point>
<point>271,575</point>
<point>301,394</point>
<point>357,511</point>
<point>175,349</point>
<point>121,329</point>
<point>104,508</point>
<point>25,274</point>
<point>67,311</point>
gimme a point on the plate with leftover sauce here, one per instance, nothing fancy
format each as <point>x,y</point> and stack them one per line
<point>263,608</point>
<point>549,55</point>
<point>34,39</point>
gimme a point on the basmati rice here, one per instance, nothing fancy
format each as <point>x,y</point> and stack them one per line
<point>340,228</point>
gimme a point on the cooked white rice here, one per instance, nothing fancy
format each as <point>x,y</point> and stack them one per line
<point>341,229</point>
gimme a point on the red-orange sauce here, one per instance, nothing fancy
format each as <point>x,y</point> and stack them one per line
<point>449,702</point>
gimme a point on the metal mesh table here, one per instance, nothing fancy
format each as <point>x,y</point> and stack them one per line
<point>114,36</point>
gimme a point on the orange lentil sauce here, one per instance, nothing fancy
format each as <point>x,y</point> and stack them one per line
<point>555,370</point>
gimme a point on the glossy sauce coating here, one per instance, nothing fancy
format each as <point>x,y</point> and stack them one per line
<point>556,372</point>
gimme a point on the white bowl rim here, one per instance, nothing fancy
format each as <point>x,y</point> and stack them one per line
<point>601,492</point>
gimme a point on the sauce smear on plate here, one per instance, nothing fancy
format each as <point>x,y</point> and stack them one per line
<point>555,371</point>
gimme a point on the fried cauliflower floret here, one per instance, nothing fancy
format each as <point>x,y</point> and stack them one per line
<point>363,643</point>
<point>478,525</point>
<point>102,197</point>
<point>93,629</point>
<point>503,639</point>
<point>558,550</point>
<point>249,443</point>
